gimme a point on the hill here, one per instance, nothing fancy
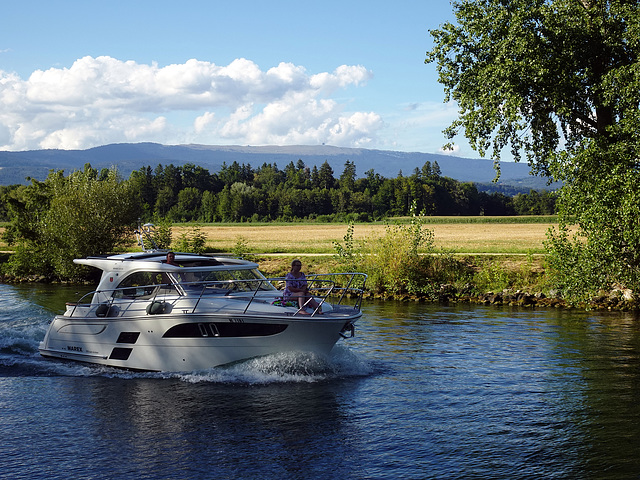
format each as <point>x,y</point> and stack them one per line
<point>15,167</point>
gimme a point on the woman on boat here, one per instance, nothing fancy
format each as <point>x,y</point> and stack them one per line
<point>296,287</point>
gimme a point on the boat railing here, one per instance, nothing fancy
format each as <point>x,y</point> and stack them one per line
<point>324,285</point>
<point>337,286</point>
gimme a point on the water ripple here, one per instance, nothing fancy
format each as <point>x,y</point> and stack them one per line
<point>422,391</point>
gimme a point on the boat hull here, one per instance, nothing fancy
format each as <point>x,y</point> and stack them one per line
<point>189,342</point>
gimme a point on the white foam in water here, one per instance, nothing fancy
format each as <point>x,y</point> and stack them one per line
<point>289,367</point>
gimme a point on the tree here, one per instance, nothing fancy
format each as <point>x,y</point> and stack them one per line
<point>5,192</point>
<point>188,206</point>
<point>268,177</point>
<point>348,177</point>
<point>435,170</point>
<point>142,181</point>
<point>557,81</point>
<point>374,180</point>
<point>197,177</point>
<point>230,174</point>
<point>325,176</point>
<point>242,201</point>
<point>208,206</point>
<point>64,218</point>
<point>164,201</point>
<point>426,169</point>
<point>291,175</point>
<point>172,179</point>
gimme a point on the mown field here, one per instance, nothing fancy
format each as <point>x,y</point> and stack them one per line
<point>458,235</point>
<point>474,235</point>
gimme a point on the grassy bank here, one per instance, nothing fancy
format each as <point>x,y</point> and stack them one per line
<point>478,274</point>
<point>489,259</point>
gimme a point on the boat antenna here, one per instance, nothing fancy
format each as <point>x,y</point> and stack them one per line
<point>144,234</point>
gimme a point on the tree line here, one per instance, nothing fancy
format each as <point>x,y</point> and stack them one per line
<point>240,192</point>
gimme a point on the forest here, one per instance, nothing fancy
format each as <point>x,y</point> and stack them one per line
<point>242,193</point>
<point>239,193</point>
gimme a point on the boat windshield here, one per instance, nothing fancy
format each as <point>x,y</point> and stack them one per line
<point>145,284</point>
<point>243,280</point>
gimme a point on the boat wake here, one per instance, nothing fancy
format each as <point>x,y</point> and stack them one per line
<point>290,367</point>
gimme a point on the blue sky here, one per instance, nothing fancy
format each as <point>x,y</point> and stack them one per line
<point>77,74</point>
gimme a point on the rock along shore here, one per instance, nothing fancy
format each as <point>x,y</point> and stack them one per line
<point>612,302</point>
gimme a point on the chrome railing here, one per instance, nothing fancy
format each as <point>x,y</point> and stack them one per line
<point>321,286</point>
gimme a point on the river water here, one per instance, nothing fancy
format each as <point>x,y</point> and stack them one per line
<point>421,392</point>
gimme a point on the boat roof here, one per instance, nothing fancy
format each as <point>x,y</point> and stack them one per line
<point>156,260</point>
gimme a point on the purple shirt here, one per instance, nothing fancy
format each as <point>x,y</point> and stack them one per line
<point>300,282</point>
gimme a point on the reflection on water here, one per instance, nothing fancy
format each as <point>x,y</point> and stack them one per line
<point>422,391</point>
<point>275,429</point>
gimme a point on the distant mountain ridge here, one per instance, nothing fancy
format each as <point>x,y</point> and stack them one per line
<point>16,166</point>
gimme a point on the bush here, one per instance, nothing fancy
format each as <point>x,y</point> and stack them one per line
<point>192,241</point>
<point>402,261</point>
<point>64,218</point>
<point>492,277</point>
<point>162,234</point>
<point>348,255</point>
<point>395,263</point>
<point>575,267</point>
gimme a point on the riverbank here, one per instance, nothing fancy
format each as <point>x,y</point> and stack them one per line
<point>513,280</point>
<point>613,302</point>
<point>491,261</point>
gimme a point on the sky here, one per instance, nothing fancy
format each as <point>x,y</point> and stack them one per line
<point>79,74</point>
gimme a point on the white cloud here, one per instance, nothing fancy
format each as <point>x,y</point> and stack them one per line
<point>418,127</point>
<point>202,121</point>
<point>299,118</point>
<point>102,100</point>
<point>342,77</point>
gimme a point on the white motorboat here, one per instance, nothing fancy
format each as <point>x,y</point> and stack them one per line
<point>149,315</point>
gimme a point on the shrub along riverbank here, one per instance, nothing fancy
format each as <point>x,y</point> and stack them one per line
<point>499,280</point>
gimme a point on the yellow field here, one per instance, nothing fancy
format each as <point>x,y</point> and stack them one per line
<point>318,238</point>
<point>491,238</point>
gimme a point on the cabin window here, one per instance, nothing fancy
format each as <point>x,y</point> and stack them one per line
<point>144,285</point>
